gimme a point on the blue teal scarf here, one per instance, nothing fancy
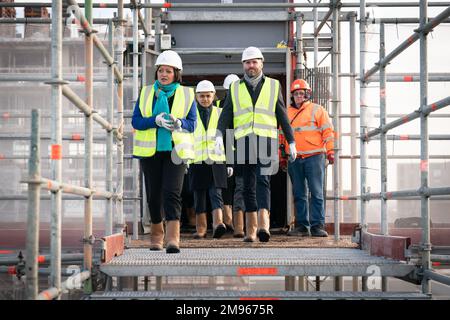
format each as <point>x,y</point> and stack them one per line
<point>164,136</point>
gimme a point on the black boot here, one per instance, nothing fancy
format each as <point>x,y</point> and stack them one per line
<point>318,231</point>
<point>300,231</point>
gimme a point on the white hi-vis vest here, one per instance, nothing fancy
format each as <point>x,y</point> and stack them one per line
<point>145,140</point>
<point>262,121</point>
<point>205,139</point>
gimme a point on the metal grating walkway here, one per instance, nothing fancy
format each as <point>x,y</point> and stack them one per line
<point>285,295</point>
<point>254,261</point>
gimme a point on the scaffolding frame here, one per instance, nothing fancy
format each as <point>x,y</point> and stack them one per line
<point>60,87</point>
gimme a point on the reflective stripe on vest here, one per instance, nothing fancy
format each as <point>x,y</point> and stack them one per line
<point>205,139</point>
<point>145,140</point>
<point>259,119</point>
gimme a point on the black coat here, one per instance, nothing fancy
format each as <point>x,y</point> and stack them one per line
<point>205,176</point>
<point>202,175</point>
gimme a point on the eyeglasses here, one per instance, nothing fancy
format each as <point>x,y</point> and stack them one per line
<point>299,94</point>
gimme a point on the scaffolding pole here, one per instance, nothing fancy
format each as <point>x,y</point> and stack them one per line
<point>383,141</point>
<point>109,136</point>
<point>88,141</point>
<point>353,164</point>
<point>336,106</point>
<point>34,188</point>
<point>120,222</point>
<point>424,154</point>
<point>135,162</point>
<point>363,121</point>
<point>56,141</point>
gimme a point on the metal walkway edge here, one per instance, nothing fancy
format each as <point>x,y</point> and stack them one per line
<point>254,261</point>
<point>248,295</point>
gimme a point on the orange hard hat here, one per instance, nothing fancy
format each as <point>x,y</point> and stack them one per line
<point>300,84</point>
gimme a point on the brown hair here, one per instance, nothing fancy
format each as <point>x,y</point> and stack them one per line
<point>177,74</point>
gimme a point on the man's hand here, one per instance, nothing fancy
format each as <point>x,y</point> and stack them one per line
<point>330,158</point>
<point>292,152</point>
<point>218,149</point>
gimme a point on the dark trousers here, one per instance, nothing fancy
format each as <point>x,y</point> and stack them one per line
<point>256,187</point>
<point>307,174</point>
<point>163,184</point>
<point>215,198</point>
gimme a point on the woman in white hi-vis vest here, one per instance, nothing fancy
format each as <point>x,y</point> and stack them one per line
<point>164,120</point>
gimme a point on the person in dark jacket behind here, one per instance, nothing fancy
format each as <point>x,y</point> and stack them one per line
<point>208,172</point>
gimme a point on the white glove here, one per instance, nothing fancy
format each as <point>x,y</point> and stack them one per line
<point>292,152</point>
<point>164,123</point>
<point>229,171</point>
<point>218,149</point>
<point>176,122</point>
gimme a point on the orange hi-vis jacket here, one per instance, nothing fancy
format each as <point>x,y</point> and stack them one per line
<point>313,130</point>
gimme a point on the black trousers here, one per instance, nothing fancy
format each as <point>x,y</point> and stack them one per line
<point>163,184</point>
<point>256,187</point>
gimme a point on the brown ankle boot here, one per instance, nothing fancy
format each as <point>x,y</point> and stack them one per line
<point>156,236</point>
<point>173,236</point>
<point>251,224</point>
<point>238,222</point>
<point>218,227</point>
<point>200,226</point>
<point>263,225</point>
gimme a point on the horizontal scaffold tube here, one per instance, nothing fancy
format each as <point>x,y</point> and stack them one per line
<point>387,4</point>
<point>73,282</point>
<point>408,118</point>
<point>72,189</point>
<point>80,104</point>
<point>408,193</point>
<point>408,42</point>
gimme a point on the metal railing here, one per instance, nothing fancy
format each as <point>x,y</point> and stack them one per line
<point>55,185</point>
<point>424,191</point>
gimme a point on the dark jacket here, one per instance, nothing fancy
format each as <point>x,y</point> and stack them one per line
<point>205,176</point>
<point>226,120</point>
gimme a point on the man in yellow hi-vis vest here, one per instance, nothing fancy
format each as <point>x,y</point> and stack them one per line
<point>254,107</point>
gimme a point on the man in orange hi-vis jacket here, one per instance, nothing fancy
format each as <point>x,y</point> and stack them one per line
<point>314,138</point>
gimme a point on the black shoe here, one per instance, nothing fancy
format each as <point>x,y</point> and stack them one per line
<point>318,231</point>
<point>172,249</point>
<point>263,235</point>
<point>219,231</point>
<point>300,231</point>
<point>229,228</point>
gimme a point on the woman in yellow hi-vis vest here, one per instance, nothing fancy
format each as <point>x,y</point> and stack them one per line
<point>165,118</point>
<point>208,172</point>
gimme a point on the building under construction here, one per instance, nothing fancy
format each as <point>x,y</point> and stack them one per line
<point>73,219</point>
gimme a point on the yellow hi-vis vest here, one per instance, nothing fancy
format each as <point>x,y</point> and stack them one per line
<point>145,140</point>
<point>205,139</point>
<point>262,120</point>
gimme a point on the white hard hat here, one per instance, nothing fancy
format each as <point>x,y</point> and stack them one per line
<point>229,79</point>
<point>252,53</point>
<point>169,58</point>
<point>205,86</point>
